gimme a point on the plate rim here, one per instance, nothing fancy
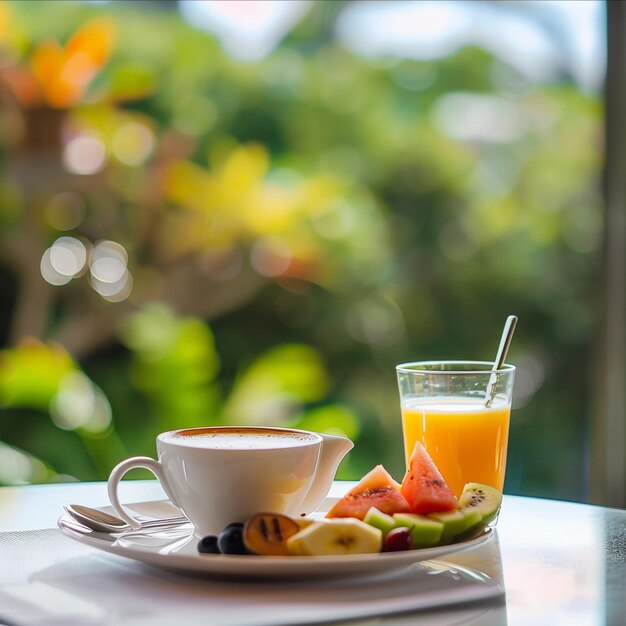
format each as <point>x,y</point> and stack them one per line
<point>236,564</point>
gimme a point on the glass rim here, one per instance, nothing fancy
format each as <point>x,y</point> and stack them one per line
<point>428,367</point>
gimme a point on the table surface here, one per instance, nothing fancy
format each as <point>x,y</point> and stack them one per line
<point>560,562</point>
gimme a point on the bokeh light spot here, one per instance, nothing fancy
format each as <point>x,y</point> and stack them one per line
<point>85,154</point>
<point>455,242</point>
<point>529,377</point>
<point>468,116</point>
<point>133,143</point>
<point>65,210</point>
<point>195,115</point>
<point>19,468</point>
<point>80,404</point>
<point>271,256</point>
<point>377,321</point>
<point>114,291</point>
<point>48,272</point>
<point>108,262</point>
<point>583,229</point>
<point>336,223</point>
<point>68,256</point>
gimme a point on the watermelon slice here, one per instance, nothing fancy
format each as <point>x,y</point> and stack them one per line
<point>423,485</point>
<point>378,489</point>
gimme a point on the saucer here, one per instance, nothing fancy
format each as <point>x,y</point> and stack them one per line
<point>175,548</point>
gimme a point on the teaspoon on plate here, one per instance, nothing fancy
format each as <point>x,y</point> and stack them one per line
<point>106,523</point>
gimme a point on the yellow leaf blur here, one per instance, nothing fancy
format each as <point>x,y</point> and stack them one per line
<point>31,372</point>
<point>189,185</point>
<point>236,203</point>
<point>242,171</point>
<point>5,16</point>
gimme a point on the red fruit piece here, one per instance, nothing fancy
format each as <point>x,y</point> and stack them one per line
<point>398,539</point>
<point>423,485</point>
<point>377,488</point>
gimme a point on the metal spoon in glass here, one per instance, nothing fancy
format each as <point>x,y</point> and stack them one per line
<point>105,523</point>
<point>505,342</point>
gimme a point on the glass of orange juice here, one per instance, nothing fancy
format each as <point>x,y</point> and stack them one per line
<point>460,413</point>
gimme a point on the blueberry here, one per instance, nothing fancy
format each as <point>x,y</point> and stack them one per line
<point>208,545</point>
<point>230,540</point>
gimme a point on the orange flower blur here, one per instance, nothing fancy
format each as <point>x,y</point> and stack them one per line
<point>64,73</point>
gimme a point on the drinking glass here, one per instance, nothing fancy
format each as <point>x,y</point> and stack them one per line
<point>460,412</point>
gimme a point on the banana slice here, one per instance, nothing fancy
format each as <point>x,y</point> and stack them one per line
<point>303,522</point>
<point>335,537</point>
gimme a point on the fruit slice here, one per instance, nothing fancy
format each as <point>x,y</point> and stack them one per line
<point>423,485</point>
<point>376,489</point>
<point>267,533</point>
<point>456,523</point>
<point>303,522</point>
<point>482,498</point>
<point>424,530</point>
<point>380,520</point>
<point>336,537</point>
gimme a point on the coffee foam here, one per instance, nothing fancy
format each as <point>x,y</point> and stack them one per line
<point>239,439</point>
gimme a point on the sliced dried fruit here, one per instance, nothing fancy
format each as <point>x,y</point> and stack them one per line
<point>267,533</point>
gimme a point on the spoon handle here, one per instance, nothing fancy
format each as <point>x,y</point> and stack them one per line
<point>164,521</point>
<point>505,341</point>
<point>103,522</point>
<point>503,348</point>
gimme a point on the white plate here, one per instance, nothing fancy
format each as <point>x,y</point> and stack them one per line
<point>176,549</point>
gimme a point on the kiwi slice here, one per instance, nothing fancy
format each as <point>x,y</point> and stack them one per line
<point>379,520</point>
<point>482,498</point>
<point>424,530</point>
<point>456,523</point>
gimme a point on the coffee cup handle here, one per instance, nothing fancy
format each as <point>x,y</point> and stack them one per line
<point>118,473</point>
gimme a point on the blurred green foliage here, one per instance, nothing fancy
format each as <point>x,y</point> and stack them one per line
<point>294,228</point>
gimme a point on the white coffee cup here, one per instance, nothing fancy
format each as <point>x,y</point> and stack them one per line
<point>219,475</point>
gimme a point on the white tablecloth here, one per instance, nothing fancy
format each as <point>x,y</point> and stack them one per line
<point>46,579</point>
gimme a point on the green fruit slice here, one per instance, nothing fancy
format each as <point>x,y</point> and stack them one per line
<point>456,522</point>
<point>424,530</point>
<point>482,498</point>
<point>379,520</point>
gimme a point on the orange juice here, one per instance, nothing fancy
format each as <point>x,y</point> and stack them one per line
<point>466,440</point>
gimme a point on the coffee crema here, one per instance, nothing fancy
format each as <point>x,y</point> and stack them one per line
<point>239,438</point>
